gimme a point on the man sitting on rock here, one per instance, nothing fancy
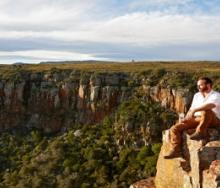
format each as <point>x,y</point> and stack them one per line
<point>203,113</point>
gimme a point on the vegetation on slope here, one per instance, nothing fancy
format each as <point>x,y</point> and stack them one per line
<point>186,66</point>
<point>86,155</point>
<point>165,74</point>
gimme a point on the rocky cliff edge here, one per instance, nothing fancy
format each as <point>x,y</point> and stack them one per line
<point>199,167</point>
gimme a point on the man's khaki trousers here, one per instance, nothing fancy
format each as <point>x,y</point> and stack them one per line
<point>200,123</point>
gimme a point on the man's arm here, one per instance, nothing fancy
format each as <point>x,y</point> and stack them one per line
<point>192,111</point>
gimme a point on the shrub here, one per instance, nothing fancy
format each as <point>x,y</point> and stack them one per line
<point>144,152</point>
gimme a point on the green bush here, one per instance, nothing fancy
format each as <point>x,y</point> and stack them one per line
<point>156,148</point>
<point>95,159</point>
<point>149,169</point>
<point>144,152</point>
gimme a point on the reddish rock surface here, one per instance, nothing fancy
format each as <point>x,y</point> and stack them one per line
<point>178,100</point>
<point>52,101</point>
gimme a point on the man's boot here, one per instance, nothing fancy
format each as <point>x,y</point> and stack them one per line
<point>198,136</point>
<point>173,153</point>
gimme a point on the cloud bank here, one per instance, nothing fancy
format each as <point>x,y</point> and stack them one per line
<point>38,30</point>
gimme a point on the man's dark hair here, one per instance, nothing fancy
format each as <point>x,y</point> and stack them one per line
<point>207,80</point>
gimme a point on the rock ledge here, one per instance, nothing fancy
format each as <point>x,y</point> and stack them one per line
<point>199,167</point>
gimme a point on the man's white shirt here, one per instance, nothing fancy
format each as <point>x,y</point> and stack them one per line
<point>212,97</point>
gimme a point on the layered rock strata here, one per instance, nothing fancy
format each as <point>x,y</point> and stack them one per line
<point>176,99</point>
<point>53,101</point>
<point>57,99</point>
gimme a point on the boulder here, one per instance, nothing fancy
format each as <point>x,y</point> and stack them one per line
<point>77,133</point>
<point>146,183</point>
<point>212,175</point>
<point>197,168</point>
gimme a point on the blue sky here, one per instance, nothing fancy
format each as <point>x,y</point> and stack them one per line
<point>54,30</point>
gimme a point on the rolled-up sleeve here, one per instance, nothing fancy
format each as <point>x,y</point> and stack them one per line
<point>215,99</point>
<point>193,102</point>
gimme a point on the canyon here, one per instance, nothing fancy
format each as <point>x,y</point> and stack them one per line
<point>52,101</point>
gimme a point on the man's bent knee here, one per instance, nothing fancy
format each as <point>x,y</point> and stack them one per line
<point>206,113</point>
<point>176,127</point>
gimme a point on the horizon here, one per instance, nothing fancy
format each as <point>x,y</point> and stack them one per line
<point>143,30</point>
<point>90,61</point>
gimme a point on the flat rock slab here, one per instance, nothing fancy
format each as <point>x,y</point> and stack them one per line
<point>198,168</point>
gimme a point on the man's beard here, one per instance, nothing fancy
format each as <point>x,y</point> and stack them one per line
<point>203,89</point>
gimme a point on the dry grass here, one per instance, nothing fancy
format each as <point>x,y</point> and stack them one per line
<point>190,66</point>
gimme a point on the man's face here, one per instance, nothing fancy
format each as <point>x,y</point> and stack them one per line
<point>202,86</point>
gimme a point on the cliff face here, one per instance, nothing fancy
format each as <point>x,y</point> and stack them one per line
<point>176,99</point>
<point>54,100</point>
<point>199,166</point>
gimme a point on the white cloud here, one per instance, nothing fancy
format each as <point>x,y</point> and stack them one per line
<point>68,20</point>
<point>45,55</point>
<point>136,28</point>
<point>44,15</point>
<point>72,21</point>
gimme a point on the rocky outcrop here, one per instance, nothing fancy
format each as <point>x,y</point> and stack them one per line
<point>198,168</point>
<point>176,99</point>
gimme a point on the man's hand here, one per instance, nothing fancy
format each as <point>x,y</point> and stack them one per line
<point>192,111</point>
<point>190,114</point>
<point>186,119</point>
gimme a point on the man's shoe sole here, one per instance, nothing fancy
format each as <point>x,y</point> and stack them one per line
<point>176,155</point>
<point>197,137</point>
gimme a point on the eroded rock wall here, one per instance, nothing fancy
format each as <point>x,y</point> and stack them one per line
<point>176,99</point>
<point>55,100</point>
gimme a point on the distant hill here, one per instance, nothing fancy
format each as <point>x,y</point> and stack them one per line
<point>19,63</point>
<point>74,62</point>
